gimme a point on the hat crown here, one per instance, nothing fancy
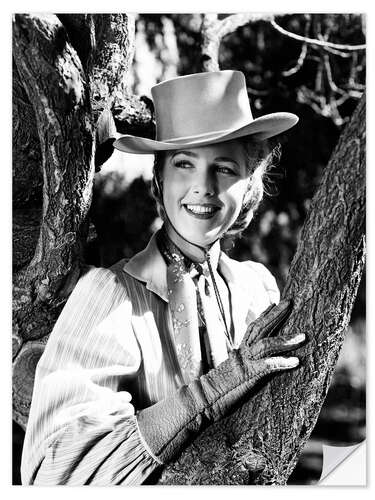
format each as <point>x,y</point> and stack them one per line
<point>200,104</point>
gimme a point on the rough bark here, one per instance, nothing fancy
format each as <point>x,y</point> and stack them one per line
<point>260,443</point>
<point>64,97</point>
<point>27,182</point>
<point>105,45</point>
<point>27,186</point>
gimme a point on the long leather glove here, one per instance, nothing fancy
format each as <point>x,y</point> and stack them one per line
<point>169,425</point>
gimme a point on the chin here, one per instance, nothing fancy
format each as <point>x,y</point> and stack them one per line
<point>203,240</point>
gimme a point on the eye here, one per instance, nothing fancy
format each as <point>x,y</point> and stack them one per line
<point>183,164</point>
<point>225,170</point>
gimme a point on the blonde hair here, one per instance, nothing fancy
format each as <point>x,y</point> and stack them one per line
<point>260,156</point>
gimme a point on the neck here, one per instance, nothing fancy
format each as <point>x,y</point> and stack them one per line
<point>193,252</point>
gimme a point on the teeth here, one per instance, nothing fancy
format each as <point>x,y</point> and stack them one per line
<point>200,209</point>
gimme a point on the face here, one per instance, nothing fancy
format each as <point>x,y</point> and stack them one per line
<point>203,190</point>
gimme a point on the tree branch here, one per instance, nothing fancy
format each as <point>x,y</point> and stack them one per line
<point>328,70</point>
<point>314,41</point>
<point>231,23</point>
<point>302,56</point>
<point>55,83</point>
<point>299,64</point>
<point>113,56</point>
<point>213,31</point>
<point>339,53</point>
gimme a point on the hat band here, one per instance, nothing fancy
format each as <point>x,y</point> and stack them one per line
<point>208,135</point>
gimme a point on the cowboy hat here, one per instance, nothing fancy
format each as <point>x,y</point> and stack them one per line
<point>201,109</point>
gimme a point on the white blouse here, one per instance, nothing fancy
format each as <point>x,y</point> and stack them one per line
<point>111,354</point>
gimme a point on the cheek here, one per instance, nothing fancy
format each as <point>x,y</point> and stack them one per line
<point>174,190</point>
<point>172,180</point>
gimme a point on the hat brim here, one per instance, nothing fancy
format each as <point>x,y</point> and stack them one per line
<point>261,128</point>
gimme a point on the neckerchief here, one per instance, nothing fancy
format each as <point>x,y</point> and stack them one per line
<point>198,332</point>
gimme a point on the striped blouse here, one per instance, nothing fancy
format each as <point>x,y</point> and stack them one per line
<point>111,354</point>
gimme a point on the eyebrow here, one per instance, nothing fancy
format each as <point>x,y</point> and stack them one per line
<point>194,155</point>
<point>226,159</point>
<point>187,153</point>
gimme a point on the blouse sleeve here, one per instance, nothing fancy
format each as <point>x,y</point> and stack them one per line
<point>82,429</point>
<point>268,281</point>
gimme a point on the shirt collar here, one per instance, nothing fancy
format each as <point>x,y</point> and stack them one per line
<point>149,266</point>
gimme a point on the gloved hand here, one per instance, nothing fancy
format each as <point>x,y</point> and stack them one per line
<point>172,423</point>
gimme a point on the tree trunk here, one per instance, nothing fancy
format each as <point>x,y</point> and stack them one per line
<point>67,75</point>
<point>260,443</point>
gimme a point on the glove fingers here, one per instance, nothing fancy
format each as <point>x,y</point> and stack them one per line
<point>270,346</point>
<point>269,321</point>
<point>263,367</point>
<point>279,363</point>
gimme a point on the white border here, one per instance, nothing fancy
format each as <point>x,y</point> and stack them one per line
<point>5,197</point>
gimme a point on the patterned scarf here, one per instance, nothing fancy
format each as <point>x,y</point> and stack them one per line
<point>198,328</point>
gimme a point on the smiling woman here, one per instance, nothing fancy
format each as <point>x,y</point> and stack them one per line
<point>239,164</point>
<point>147,354</point>
<point>203,190</point>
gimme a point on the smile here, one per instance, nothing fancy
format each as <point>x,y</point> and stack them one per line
<point>201,211</point>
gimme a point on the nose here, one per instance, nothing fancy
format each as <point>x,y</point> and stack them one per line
<point>205,183</point>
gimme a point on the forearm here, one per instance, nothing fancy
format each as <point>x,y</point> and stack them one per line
<point>171,424</point>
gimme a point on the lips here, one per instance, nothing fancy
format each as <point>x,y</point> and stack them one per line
<point>201,211</point>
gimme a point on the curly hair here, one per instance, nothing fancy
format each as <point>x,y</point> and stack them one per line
<point>260,157</point>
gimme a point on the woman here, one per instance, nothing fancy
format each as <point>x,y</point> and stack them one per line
<point>148,353</point>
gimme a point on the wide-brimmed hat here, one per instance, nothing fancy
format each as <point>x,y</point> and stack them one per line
<point>201,109</point>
